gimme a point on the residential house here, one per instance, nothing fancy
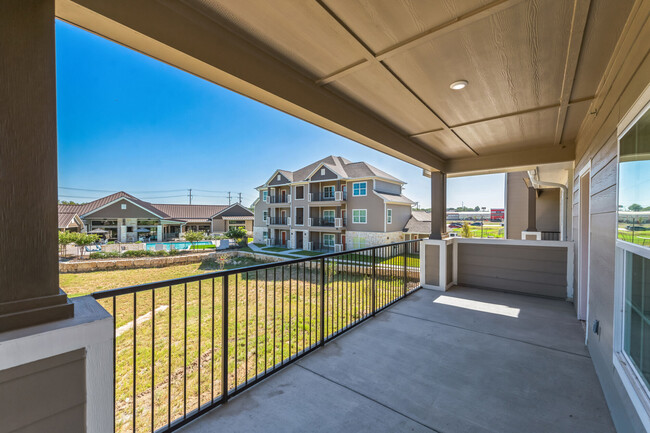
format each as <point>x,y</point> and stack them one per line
<point>332,204</point>
<point>126,218</point>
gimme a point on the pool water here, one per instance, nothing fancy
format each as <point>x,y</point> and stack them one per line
<point>176,245</point>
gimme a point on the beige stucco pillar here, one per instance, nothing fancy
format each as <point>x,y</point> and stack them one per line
<point>29,274</point>
<point>438,205</point>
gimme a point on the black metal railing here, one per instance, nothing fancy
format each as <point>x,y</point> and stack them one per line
<point>319,246</point>
<point>322,222</point>
<point>277,242</point>
<point>278,220</point>
<point>185,346</point>
<point>550,236</point>
<point>278,199</point>
<point>321,196</point>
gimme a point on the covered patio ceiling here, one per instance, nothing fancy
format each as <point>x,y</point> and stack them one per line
<point>379,72</point>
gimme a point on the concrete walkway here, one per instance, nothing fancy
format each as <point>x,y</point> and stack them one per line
<point>288,252</point>
<point>462,361</point>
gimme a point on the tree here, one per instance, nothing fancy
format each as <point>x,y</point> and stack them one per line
<point>82,240</point>
<point>466,230</point>
<point>193,236</point>
<point>239,234</point>
<point>65,238</point>
<point>477,208</point>
<point>635,207</point>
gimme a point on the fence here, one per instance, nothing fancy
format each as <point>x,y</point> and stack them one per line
<point>187,345</point>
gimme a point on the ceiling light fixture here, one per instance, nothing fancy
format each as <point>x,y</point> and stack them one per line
<point>457,85</point>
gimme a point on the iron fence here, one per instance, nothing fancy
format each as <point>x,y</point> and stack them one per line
<point>185,346</point>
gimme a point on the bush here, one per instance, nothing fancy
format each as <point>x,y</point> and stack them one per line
<point>133,254</point>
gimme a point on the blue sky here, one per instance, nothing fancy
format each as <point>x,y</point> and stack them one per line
<point>128,122</point>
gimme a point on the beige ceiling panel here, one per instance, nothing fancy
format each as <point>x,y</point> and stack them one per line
<point>377,90</point>
<point>444,143</point>
<point>513,60</point>
<point>300,32</point>
<point>511,133</point>
<point>604,25</point>
<point>383,23</point>
<point>574,117</point>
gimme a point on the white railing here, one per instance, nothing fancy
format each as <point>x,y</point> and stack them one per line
<point>310,221</point>
<point>309,197</point>
<point>338,222</point>
<point>289,221</point>
<point>338,248</point>
<point>309,246</point>
<point>338,195</point>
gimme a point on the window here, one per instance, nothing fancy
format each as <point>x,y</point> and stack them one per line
<point>359,216</point>
<point>123,206</point>
<point>358,242</point>
<point>265,215</point>
<point>328,191</point>
<point>265,235</point>
<point>328,215</point>
<point>300,192</point>
<point>328,240</point>
<point>632,309</point>
<point>279,177</point>
<point>322,172</point>
<point>265,194</point>
<point>359,189</point>
<point>389,216</point>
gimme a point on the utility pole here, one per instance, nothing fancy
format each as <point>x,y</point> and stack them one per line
<point>229,198</point>
<point>190,195</point>
<point>240,198</point>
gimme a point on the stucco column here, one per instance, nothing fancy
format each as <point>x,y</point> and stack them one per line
<point>438,205</point>
<point>29,272</point>
<point>532,210</point>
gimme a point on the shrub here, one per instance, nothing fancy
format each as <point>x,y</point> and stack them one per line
<point>192,236</point>
<point>466,230</point>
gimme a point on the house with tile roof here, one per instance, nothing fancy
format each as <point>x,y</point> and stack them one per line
<point>332,204</point>
<point>126,218</point>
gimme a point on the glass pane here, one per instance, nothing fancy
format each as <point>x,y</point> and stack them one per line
<point>634,184</point>
<point>637,318</point>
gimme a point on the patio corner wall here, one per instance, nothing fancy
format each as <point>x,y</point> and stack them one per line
<point>436,264</point>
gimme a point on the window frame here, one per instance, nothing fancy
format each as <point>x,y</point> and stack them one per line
<point>365,215</point>
<point>328,235</point>
<point>354,189</point>
<point>301,188</point>
<point>633,382</point>
<point>389,216</point>
<point>265,215</point>
<point>265,195</point>
<point>331,188</point>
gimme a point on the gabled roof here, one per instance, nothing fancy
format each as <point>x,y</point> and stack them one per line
<point>395,198</point>
<point>242,212</point>
<point>420,222</point>
<point>342,167</point>
<point>87,208</point>
<point>187,212</point>
<point>67,214</point>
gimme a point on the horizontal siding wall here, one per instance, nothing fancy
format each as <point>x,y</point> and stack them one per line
<point>532,270</point>
<point>627,76</point>
<point>48,395</point>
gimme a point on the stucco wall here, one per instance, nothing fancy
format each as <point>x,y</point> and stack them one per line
<point>401,215</point>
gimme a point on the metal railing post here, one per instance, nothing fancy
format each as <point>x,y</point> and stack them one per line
<point>405,268</point>
<point>224,340</point>
<point>322,301</point>
<point>374,281</point>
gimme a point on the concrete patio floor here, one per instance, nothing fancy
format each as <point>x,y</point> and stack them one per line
<point>466,360</point>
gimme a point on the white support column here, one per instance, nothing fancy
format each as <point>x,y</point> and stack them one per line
<point>433,264</point>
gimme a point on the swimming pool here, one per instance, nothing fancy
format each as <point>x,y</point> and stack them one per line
<point>176,245</point>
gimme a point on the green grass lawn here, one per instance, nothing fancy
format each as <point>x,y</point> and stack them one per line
<point>250,250</point>
<point>275,313</point>
<point>307,253</point>
<point>276,249</point>
<point>412,260</point>
<point>489,231</point>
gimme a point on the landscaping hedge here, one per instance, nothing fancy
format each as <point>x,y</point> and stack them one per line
<point>133,253</point>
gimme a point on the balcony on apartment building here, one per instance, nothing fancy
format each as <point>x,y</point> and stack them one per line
<point>279,199</point>
<point>279,221</point>
<point>328,196</point>
<point>327,222</point>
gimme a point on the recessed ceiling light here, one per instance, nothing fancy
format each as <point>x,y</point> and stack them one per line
<point>457,85</point>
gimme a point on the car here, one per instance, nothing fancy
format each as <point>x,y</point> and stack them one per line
<point>477,224</point>
<point>453,235</point>
<point>455,225</point>
<point>636,228</point>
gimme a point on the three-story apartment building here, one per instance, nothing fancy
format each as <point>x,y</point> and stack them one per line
<point>331,205</point>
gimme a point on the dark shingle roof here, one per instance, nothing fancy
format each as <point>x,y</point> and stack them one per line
<point>420,222</point>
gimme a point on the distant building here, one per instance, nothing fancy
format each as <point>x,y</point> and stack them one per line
<point>126,218</point>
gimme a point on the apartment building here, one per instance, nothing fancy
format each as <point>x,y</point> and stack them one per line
<point>332,204</point>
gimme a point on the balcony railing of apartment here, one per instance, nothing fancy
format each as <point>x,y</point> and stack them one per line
<point>329,196</point>
<point>276,242</point>
<point>185,346</point>
<point>279,198</point>
<point>550,236</point>
<point>327,222</point>
<point>279,220</point>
